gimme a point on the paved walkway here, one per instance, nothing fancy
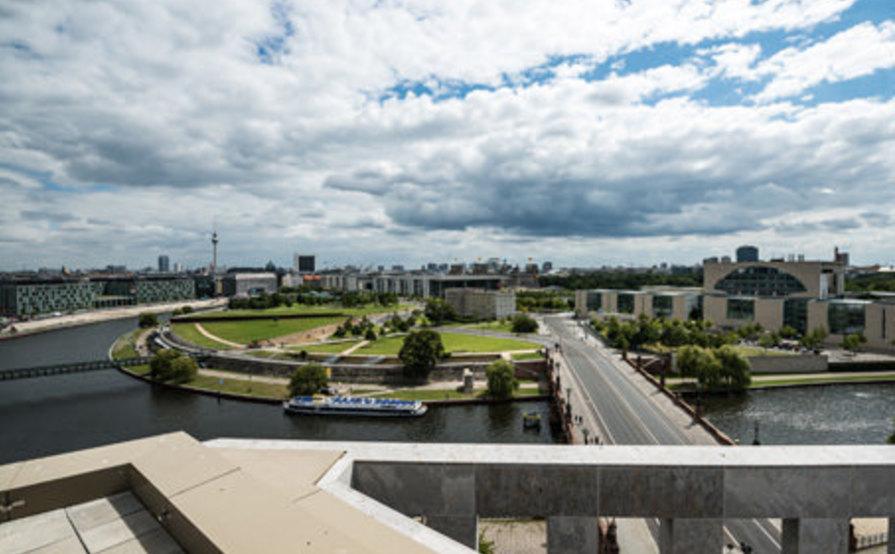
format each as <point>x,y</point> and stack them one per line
<point>96,316</point>
<point>216,338</point>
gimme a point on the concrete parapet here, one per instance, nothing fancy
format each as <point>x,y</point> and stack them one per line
<point>571,535</point>
<point>693,488</point>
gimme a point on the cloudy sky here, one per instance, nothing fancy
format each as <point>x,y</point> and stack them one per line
<point>389,132</point>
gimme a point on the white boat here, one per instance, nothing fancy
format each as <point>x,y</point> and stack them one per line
<point>354,406</point>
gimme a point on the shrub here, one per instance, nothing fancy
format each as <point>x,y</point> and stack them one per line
<point>502,380</point>
<point>853,342</point>
<point>171,365</point>
<point>160,365</point>
<point>183,370</point>
<point>370,334</point>
<point>147,320</point>
<point>815,338</point>
<point>524,324</point>
<point>420,352</point>
<point>308,379</point>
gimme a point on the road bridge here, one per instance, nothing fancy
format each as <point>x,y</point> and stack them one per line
<point>624,413</point>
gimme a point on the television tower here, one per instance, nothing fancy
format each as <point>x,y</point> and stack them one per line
<point>214,252</point>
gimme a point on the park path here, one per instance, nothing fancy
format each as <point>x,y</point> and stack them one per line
<point>208,335</point>
<point>361,344</point>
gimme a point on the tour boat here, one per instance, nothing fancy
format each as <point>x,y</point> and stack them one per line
<point>531,420</point>
<point>354,406</point>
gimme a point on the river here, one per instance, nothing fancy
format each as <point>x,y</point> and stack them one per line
<point>832,414</point>
<point>50,415</point>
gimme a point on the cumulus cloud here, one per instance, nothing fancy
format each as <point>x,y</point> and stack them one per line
<point>854,52</point>
<point>141,124</point>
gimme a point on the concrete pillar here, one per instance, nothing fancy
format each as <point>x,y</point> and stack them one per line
<point>802,536</point>
<point>691,536</point>
<point>572,535</point>
<point>463,529</point>
<point>891,549</point>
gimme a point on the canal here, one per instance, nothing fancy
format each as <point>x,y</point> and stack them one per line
<point>50,415</point>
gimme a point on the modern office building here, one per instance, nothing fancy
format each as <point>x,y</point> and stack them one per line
<point>480,303</point>
<point>304,263</point>
<point>404,283</point>
<point>164,264</point>
<point>747,253</point>
<point>24,298</point>
<point>672,303</point>
<point>249,284</point>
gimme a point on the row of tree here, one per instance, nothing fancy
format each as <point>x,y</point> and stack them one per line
<point>544,300</point>
<point>620,280</point>
<point>715,369</point>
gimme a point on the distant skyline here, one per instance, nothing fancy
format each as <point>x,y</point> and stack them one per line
<point>591,133</point>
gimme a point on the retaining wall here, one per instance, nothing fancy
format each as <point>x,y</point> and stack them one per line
<point>370,374</point>
<point>807,363</point>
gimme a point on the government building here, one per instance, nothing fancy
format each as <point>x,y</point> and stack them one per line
<point>804,295</point>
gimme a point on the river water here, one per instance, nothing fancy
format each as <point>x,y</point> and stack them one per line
<point>834,414</point>
<point>50,415</point>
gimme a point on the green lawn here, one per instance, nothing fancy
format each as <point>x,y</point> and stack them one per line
<point>453,343</point>
<point>329,348</point>
<point>244,332</point>
<point>499,326</point>
<point>832,379</point>
<point>239,386</point>
<point>369,309</point>
<point>528,356</point>
<point>749,351</point>
<point>189,333</point>
<point>125,345</point>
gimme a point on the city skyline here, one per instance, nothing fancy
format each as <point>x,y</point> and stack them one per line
<point>667,138</point>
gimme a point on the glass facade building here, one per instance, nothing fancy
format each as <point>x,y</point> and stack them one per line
<point>795,314</point>
<point>663,305</point>
<point>845,318</point>
<point>760,281</point>
<point>625,303</point>
<point>594,301</point>
<point>740,308</point>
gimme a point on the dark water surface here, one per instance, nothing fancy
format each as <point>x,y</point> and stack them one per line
<point>50,415</point>
<point>838,414</point>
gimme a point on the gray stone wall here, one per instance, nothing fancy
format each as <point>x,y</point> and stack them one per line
<point>808,363</point>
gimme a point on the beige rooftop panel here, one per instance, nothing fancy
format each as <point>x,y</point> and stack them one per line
<point>294,473</point>
<point>24,535</point>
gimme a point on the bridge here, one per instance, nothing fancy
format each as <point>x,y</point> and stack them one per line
<point>63,369</point>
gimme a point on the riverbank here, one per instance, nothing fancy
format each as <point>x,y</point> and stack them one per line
<point>761,382</point>
<point>26,328</point>
<point>270,389</point>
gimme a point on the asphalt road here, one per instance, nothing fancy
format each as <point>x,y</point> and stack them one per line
<point>628,416</point>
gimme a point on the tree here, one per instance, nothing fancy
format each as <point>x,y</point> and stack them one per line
<point>815,338</point>
<point>183,370</point>
<point>701,363</point>
<point>438,311</point>
<point>160,365</point>
<point>788,332</point>
<point>769,340</point>
<point>853,342</point>
<point>308,379</point>
<point>735,372</point>
<point>502,381</point>
<point>370,334</point>
<point>171,365</point>
<point>524,324</point>
<point>420,352</point>
<point>147,320</point>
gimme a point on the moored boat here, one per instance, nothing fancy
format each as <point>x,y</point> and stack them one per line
<point>354,406</point>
